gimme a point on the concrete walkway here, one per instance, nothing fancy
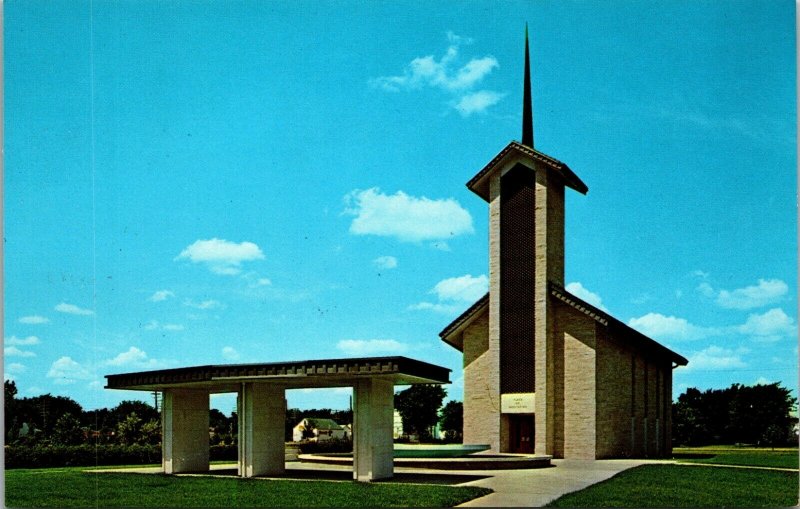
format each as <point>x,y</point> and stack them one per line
<point>512,488</point>
<point>535,488</point>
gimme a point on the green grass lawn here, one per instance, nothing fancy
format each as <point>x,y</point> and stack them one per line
<point>688,486</point>
<point>72,487</point>
<point>731,455</point>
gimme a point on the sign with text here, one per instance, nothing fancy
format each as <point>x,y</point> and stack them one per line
<point>517,403</point>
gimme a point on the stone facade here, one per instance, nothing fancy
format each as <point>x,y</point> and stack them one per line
<point>481,389</point>
<point>602,390</point>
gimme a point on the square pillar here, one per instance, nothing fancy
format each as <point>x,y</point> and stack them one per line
<point>262,413</point>
<point>373,420</point>
<point>184,421</point>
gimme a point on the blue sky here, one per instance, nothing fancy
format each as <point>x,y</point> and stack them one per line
<point>208,182</point>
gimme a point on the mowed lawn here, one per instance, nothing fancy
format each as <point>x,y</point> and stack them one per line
<point>701,484</point>
<point>73,487</point>
<point>688,486</point>
<point>785,457</point>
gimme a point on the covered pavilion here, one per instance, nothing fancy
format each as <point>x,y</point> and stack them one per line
<point>261,407</point>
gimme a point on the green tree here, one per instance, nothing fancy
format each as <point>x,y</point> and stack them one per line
<point>11,418</point>
<point>150,433</point>
<point>308,430</point>
<point>419,407</point>
<point>129,430</point>
<point>738,414</point>
<point>452,421</point>
<point>144,411</point>
<point>68,431</point>
<point>42,412</point>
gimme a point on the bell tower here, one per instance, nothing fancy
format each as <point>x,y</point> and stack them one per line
<point>525,192</point>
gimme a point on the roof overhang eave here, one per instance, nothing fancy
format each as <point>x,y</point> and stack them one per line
<point>479,184</point>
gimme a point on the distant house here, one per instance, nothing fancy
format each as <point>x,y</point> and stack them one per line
<point>397,428</point>
<point>323,429</point>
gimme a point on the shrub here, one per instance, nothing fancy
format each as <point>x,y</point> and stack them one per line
<point>224,453</point>
<point>333,445</point>
<point>85,455</point>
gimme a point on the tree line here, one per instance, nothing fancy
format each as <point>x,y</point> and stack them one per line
<point>753,415</point>
<point>57,420</point>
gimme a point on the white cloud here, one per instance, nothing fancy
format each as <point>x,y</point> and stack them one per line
<point>230,353</point>
<point>385,262</point>
<point>464,288</point>
<point>13,351</point>
<point>370,346</point>
<point>34,319</point>
<point>206,304</point>
<point>221,256</point>
<point>134,358</point>
<point>14,340</point>
<point>73,309</point>
<point>66,371</point>
<point>705,289</point>
<point>155,325</point>
<point>263,281</point>
<point>762,381</point>
<point>477,102</point>
<point>16,367</point>
<point>577,289</point>
<point>765,292</point>
<point>663,327</point>
<point>715,358</point>
<point>447,75</point>
<point>769,326</point>
<point>408,218</point>
<point>161,295</point>
<point>445,309</point>
<point>454,293</point>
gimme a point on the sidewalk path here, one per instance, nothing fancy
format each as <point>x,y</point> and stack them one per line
<point>535,488</point>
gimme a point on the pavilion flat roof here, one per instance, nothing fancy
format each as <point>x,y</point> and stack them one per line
<point>291,374</point>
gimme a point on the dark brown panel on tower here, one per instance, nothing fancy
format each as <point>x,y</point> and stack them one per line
<point>517,260</point>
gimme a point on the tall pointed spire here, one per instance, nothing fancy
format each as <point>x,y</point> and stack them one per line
<point>527,102</point>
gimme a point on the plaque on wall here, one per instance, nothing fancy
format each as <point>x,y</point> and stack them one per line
<point>517,403</point>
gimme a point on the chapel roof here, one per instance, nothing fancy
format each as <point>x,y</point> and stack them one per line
<point>619,330</point>
<point>479,184</point>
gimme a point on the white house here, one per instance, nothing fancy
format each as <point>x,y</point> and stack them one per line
<point>323,429</point>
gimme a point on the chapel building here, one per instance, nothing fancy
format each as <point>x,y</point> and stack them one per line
<point>544,371</point>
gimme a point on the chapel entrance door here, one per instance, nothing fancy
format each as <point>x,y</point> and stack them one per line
<point>521,427</point>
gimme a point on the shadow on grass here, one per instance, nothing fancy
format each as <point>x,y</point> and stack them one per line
<point>347,475</point>
<point>692,456</point>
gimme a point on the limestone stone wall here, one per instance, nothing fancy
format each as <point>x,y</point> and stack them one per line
<point>580,384</point>
<point>549,266</point>
<point>479,401</point>
<point>482,402</point>
<point>476,339</point>
<point>613,397</point>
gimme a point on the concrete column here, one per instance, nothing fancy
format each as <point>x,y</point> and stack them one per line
<point>184,422</point>
<point>373,419</point>
<point>262,412</point>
